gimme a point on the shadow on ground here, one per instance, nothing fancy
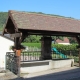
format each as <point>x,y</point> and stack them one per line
<point>73,74</point>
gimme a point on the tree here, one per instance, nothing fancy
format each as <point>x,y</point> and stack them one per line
<point>3,18</point>
<point>33,38</point>
<point>72,40</point>
<point>57,37</point>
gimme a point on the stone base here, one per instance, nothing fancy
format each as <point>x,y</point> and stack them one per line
<point>37,66</point>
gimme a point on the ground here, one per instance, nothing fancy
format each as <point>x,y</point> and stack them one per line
<point>66,73</point>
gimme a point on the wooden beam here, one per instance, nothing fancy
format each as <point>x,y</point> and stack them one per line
<point>16,35</point>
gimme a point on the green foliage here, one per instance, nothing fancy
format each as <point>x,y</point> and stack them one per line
<point>65,47</point>
<point>72,40</point>
<point>3,18</point>
<point>36,39</point>
<point>58,46</point>
<point>1,28</point>
<point>33,38</point>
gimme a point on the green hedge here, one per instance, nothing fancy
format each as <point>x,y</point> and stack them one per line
<point>65,47</point>
<point>58,46</point>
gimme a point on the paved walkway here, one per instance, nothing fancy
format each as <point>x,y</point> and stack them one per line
<point>70,73</point>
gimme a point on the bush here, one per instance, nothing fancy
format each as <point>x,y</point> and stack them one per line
<point>57,46</point>
<point>65,47</point>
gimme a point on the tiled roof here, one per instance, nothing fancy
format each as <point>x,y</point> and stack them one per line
<point>34,21</point>
<point>66,40</point>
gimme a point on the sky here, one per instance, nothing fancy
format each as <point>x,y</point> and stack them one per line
<point>67,8</point>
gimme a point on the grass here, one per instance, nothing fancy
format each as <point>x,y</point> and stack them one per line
<point>32,44</point>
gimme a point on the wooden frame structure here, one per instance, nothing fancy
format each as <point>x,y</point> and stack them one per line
<point>21,24</point>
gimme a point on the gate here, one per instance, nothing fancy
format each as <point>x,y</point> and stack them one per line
<point>12,62</point>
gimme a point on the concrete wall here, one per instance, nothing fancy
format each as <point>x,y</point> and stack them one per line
<point>31,67</point>
<point>61,63</point>
<point>4,47</point>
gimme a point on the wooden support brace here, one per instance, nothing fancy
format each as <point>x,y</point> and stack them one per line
<point>16,35</point>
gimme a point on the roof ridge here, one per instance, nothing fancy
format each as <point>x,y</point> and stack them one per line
<point>44,14</point>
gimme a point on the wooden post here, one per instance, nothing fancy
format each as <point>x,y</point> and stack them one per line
<point>78,40</point>
<point>18,53</point>
<point>46,48</point>
<point>17,48</point>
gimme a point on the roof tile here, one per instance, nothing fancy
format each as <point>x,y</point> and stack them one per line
<point>34,21</point>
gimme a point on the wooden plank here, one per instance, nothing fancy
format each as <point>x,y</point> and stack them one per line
<point>15,35</point>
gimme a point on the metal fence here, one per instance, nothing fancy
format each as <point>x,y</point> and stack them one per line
<point>11,62</point>
<point>30,55</point>
<point>67,53</point>
<point>35,55</point>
